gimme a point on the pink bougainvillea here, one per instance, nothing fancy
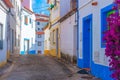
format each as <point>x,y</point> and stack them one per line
<point>112,37</point>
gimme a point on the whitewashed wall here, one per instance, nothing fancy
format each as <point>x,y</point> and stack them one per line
<point>40,48</point>
<point>65,7</point>
<point>3,21</point>
<point>28,31</point>
<point>55,12</point>
<point>85,9</point>
<point>47,39</point>
<point>67,35</point>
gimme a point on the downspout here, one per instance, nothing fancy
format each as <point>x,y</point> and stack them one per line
<point>77,30</point>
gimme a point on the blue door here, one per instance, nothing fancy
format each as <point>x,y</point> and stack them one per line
<point>87,41</point>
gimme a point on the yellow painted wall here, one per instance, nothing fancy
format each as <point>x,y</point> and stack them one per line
<point>46,52</point>
<point>53,52</point>
<point>8,54</point>
<point>3,63</point>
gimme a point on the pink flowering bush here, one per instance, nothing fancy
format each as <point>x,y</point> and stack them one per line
<point>112,38</point>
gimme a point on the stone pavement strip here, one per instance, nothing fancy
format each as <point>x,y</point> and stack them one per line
<point>38,67</point>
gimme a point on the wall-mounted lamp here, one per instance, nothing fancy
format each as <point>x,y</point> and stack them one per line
<point>95,3</point>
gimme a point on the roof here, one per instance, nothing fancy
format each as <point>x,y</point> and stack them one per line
<point>42,20</point>
<point>39,32</point>
<point>28,10</point>
<point>42,15</point>
<point>8,3</point>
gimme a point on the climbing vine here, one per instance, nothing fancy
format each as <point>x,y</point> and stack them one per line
<point>112,38</point>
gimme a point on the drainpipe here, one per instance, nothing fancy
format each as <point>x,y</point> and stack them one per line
<point>77,30</point>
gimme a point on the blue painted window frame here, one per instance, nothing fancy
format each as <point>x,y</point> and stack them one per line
<point>104,12</point>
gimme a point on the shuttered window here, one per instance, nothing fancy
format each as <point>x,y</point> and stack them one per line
<point>26,20</point>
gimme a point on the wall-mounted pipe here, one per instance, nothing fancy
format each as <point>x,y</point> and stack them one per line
<point>77,28</point>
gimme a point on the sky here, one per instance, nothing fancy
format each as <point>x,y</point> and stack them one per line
<point>40,6</point>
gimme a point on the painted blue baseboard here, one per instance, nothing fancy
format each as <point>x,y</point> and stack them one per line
<point>22,52</point>
<point>97,70</point>
<point>80,63</point>
<point>32,52</point>
<point>101,71</point>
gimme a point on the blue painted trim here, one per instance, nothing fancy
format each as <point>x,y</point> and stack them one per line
<point>22,52</point>
<point>26,39</point>
<point>89,17</point>
<point>104,22</point>
<point>32,52</point>
<point>101,71</point>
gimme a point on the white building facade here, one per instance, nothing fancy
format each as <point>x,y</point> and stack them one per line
<point>3,32</point>
<point>68,30</point>
<point>47,40</point>
<point>41,22</point>
<point>27,44</point>
<point>92,22</point>
<point>10,27</point>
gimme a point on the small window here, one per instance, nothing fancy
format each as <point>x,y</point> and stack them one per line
<point>26,20</point>
<point>38,29</point>
<point>39,43</point>
<point>38,23</point>
<point>30,20</point>
<point>39,35</point>
<point>1,36</point>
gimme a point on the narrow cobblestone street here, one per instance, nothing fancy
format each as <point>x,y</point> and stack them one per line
<point>37,67</point>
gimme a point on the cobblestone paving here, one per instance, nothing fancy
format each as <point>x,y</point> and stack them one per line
<point>38,67</point>
<point>35,67</point>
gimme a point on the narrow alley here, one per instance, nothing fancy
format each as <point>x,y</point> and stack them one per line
<point>59,39</point>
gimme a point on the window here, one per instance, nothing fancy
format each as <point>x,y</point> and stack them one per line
<point>30,20</point>
<point>1,36</point>
<point>38,29</point>
<point>39,43</point>
<point>26,20</point>
<point>39,35</point>
<point>38,23</point>
<point>105,12</point>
